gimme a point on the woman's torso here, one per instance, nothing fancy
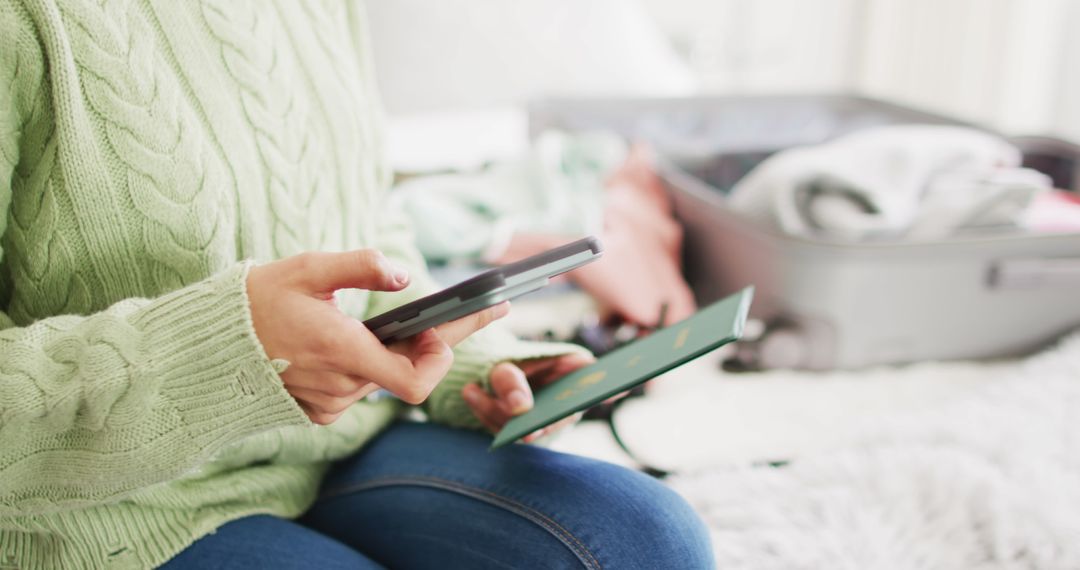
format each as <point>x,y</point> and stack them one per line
<point>160,142</point>
<point>170,139</point>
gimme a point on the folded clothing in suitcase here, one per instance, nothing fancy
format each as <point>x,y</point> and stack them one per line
<point>836,304</point>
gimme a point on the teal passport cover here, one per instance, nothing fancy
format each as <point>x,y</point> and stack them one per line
<point>644,359</point>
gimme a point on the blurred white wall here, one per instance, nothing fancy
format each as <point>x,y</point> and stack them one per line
<point>1011,64</point>
<point>1068,104</point>
<point>753,46</point>
<point>999,62</point>
<point>434,55</point>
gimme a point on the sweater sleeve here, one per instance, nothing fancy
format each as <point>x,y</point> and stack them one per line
<point>95,407</point>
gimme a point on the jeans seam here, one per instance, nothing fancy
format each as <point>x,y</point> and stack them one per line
<point>560,532</point>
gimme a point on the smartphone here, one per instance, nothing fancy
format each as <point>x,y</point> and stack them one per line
<point>482,291</point>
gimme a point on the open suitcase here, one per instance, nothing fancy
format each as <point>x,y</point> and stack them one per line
<point>840,305</point>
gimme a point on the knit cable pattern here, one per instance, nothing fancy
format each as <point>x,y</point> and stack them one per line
<point>31,244</point>
<point>168,174</point>
<point>280,120</point>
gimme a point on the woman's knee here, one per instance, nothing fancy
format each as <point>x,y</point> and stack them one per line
<point>635,521</point>
<point>602,515</point>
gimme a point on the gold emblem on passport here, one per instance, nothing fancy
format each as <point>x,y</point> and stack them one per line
<point>681,339</point>
<point>594,378</point>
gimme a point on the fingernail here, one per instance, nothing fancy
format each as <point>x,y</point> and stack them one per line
<point>519,403</point>
<point>401,276</point>
<point>501,310</point>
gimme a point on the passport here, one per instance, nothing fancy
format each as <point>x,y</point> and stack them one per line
<point>641,360</point>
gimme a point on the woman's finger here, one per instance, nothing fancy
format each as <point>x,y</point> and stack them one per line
<point>559,425</point>
<point>484,407</point>
<point>368,389</point>
<point>544,371</point>
<point>565,365</point>
<point>431,360</point>
<point>454,332</point>
<point>410,375</point>
<point>511,389</point>
<point>563,423</point>
<point>537,366</point>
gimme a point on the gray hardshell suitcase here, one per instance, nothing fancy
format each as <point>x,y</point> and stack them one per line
<point>841,305</point>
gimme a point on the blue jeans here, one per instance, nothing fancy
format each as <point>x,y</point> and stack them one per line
<point>426,496</point>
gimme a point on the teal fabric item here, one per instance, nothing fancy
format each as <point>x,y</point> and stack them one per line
<point>556,189</point>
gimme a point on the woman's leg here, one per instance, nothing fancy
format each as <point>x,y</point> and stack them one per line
<point>426,496</point>
<point>262,541</point>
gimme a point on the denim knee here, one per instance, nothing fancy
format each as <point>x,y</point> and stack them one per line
<point>641,523</point>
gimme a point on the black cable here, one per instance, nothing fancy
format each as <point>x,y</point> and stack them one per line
<point>606,413</point>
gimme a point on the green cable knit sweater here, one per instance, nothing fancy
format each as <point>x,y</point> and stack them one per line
<point>147,147</point>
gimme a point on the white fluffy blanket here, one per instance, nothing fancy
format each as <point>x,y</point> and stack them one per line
<point>989,482</point>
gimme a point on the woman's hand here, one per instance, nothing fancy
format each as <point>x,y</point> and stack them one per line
<point>513,386</point>
<point>334,359</point>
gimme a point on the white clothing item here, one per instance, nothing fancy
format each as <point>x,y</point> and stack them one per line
<point>896,182</point>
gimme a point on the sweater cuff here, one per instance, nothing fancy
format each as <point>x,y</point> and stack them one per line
<point>473,360</point>
<point>203,350</point>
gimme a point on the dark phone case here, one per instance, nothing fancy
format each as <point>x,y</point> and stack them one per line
<point>485,283</point>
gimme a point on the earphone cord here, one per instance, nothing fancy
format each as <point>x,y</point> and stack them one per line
<point>644,467</point>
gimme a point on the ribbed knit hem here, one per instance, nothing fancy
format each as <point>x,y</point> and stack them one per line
<point>213,368</point>
<point>201,379</point>
<point>131,536</point>
<point>215,385</point>
<point>473,360</point>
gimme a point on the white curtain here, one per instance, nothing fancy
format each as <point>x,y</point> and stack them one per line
<point>1011,64</point>
<point>998,62</point>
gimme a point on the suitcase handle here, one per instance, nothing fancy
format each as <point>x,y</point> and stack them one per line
<point>1035,273</point>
